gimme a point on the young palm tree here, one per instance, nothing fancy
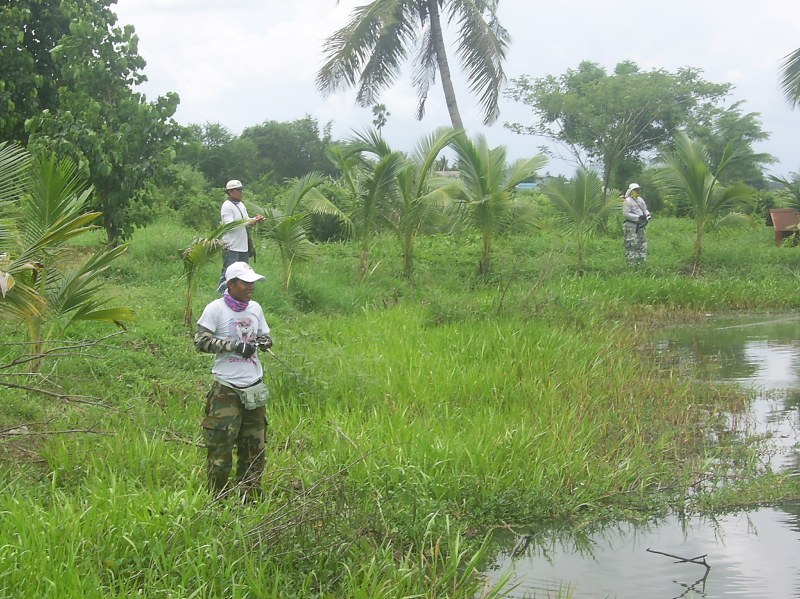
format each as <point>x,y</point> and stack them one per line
<point>687,177</point>
<point>200,252</point>
<point>581,206</point>
<point>369,51</point>
<point>289,225</point>
<point>790,190</point>
<point>371,184</point>
<point>420,194</point>
<point>790,78</point>
<point>487,188</point>
<point>54,287</point>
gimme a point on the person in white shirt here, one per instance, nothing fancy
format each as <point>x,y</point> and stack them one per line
<point>236,241</point>
<point>636,215</point>
<point>233,328</point>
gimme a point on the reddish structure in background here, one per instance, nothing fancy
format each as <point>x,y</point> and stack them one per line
<point>782,219</point>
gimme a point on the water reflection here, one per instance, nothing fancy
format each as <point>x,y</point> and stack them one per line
<point>753,553</point>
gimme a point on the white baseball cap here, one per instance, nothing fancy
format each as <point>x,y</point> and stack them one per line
<point>234,184</point>
<point>244,272</point>
<point>633,186</point>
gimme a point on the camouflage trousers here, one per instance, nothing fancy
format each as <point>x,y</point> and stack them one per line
<point>228,425</point>
<point>635,243</point>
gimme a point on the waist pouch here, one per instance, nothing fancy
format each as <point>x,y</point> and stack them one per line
<point>255,396</point>
<point>252,397</point>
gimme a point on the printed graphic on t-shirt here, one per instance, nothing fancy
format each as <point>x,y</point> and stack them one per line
<point>246,329</point>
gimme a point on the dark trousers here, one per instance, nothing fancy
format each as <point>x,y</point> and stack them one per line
<point>228,258</point>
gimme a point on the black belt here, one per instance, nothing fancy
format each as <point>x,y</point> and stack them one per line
<point>240,388</point>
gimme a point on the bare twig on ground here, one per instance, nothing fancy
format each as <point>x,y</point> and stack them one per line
<point>68,346</point>
<point>700,560</point>
<point>66,432</point>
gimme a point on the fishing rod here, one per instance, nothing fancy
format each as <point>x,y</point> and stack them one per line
<point>284,364</point>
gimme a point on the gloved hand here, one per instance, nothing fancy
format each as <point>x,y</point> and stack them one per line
<point>246,350</point>
<point>264,342</point>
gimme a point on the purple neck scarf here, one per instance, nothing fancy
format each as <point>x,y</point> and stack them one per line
<point>234,304</point>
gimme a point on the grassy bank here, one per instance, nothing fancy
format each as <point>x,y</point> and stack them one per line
<point>407,418</point>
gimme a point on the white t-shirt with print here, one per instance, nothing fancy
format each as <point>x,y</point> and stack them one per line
<point>229,325</point>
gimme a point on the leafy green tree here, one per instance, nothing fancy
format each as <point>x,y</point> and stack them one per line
<point>581,207</point>
<point>687,176</point>
<point>289,225</point>
<point>119,140</point>
<point>29,29</point>
<point>718,127</point>
<point>790,78</point>
<point>420,193</point>
<point>371,184</point>
<point>290,150</point>
<point>487,188</point>
<point>51,289</point>
<point>369,51</point>
<point>220,155</point>
<point>612,120</point>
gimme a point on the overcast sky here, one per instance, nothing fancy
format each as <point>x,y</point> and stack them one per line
<point>243,62</point>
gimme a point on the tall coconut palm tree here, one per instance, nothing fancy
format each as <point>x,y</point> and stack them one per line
<point>369,51</point>
<point>487,188</point>
<point>790,78</point>
<point>581,206</point>
<point>687,177</point>
<point>420,193</point>
<point>52,286</point>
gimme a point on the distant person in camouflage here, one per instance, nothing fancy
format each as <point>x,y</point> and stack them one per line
<point>636,215</point>
<point>233,327</point>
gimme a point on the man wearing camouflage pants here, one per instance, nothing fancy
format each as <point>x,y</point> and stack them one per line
<point>233,327</point>
<point>636,215</point>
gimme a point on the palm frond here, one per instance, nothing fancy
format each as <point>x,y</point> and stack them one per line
<point>203,249</point>
<point>14,174</point>
<point>58,195</point>
<point>522,169</point>
<point>734,220</point>
<point>580,204</point>
<point>291,235</point>
<point>427,152</point>
<point>482,45</point>
<point>302,187</point>
<point>790,78</point>
<point>425,69</point>
<point>368,51</point>
<point>21,303</point>
<point>79,294</point>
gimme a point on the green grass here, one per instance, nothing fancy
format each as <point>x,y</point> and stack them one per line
<point>411,417</point>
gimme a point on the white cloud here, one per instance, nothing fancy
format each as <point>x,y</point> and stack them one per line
<point>245,61</point>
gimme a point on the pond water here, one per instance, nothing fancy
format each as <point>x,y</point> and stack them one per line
<point>751,553</point>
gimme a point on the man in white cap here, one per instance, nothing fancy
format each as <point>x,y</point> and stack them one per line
<point>233,327</point>
<point>236,242</point>
<point>636,215</point>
